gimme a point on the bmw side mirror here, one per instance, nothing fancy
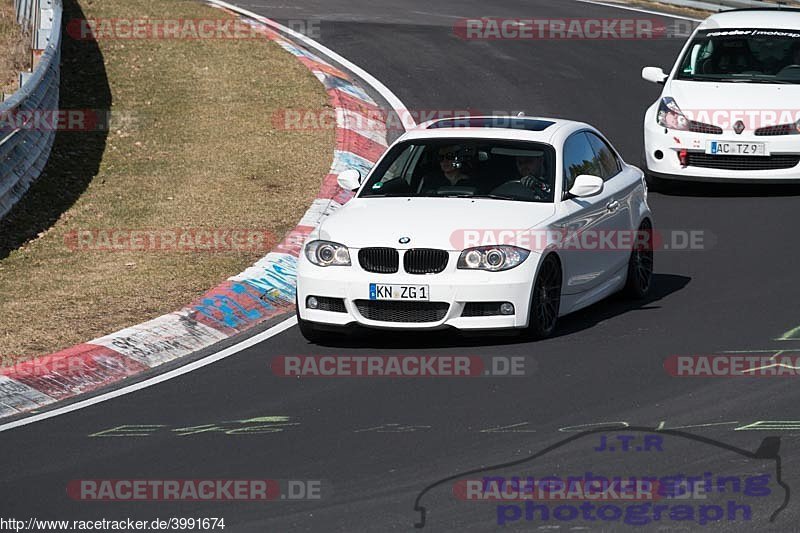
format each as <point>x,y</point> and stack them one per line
<point>349,180</point>
<point>586,185</point>
<point>654,75</point>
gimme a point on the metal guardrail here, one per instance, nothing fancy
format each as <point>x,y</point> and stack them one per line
<point>25,11</point>
<point>723,5</point>
<point>25,148</point>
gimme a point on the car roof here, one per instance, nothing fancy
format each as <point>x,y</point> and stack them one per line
<point>536,129</point>
<point>758,18</point>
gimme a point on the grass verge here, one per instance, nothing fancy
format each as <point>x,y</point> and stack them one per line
<point>667,8</point>
<point>15,52</point>
<point>191,146</point>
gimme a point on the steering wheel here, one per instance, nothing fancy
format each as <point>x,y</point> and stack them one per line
<point>539,185</point>
<point>517,188</point>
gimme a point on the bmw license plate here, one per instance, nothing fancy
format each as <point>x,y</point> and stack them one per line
<point>379,291</point>
<point>736,148</point>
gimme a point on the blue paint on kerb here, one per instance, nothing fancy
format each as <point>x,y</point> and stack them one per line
<point>332,82</point>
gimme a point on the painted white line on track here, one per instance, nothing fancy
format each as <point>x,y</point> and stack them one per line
<point>388,95</point>
<point>639,10</point>
<point>200,363</point>
<point>437,15</point>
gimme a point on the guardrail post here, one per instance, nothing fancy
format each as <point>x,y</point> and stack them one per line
<point>45,28</point>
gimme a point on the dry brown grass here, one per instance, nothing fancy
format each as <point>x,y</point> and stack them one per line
<point>668,8</point>
<point>199,150</point>
<point>15,52</point>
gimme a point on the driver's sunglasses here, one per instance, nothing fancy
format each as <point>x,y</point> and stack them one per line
<point>450,156</point>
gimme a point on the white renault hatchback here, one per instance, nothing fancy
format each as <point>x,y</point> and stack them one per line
<point>730,108</point>
<point>479,223</point>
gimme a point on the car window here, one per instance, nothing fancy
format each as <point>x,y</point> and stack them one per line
<point>609,164</point>
<point>749,55</point>
<point>579,158</point>
<point>466,167</point>
<point>399,167</point>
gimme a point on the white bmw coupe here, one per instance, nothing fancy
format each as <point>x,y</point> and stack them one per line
<point>479,223</point>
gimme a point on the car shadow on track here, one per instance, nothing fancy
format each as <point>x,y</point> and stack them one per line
<point>75,158</point>
<point>727,190</point>
<point>663,285</point>
<point>619,304</point>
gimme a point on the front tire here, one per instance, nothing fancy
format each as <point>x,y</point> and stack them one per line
<point>546,299</point>
<point>640,264</point>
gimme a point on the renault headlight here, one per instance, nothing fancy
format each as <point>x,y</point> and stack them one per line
<point>670,115</point>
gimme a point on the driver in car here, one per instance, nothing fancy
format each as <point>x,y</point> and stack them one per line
<point>795,54</point>
<point>531,174</point>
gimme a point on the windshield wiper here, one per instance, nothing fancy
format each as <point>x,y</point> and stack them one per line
<point>738,80</point>
<point>707,78</point>
<point>450,195</point>
<point>501,197</point>
<point>763,80</point>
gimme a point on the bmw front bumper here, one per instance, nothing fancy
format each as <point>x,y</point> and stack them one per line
<point>452,287</point>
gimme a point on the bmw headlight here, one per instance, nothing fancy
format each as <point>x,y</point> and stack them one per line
<point>670,115</point>
<point>326,253</point>
<point>492,258</point>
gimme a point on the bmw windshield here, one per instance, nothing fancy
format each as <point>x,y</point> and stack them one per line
<point>466,168</point>
<point>743,55</point>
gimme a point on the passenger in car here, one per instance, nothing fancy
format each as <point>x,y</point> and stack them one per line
<point>453,168</point>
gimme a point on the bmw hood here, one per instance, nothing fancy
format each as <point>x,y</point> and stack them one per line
<point>428,222</point>
<point>723,104</point>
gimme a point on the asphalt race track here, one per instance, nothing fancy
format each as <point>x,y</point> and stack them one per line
<point>375,444</point>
